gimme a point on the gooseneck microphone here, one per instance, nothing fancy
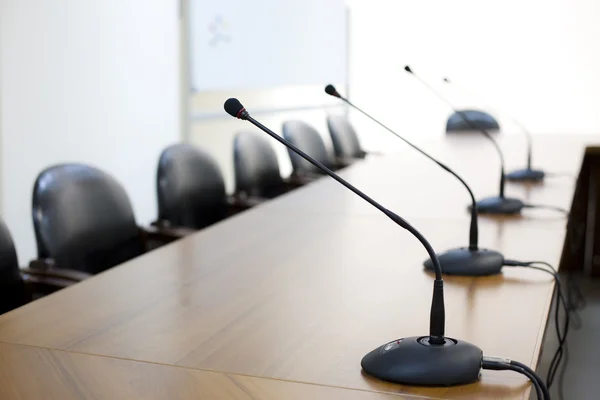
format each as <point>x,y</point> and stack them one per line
<point>490,205</point>
<point>466,261</point>
<point>527,174</point>
<point>433,360</point>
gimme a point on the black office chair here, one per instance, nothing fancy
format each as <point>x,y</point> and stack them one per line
<point>12,287</point>
<point>191,190</point>
<point>345,141</point>
<point>83,221</point>
<point>17,286</point>
<point>257,173</point>
<point>308,140</point>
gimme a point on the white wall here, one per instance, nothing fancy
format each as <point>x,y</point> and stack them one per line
<point>1,151</point>
<point>535,59</point>
<point>97,81</point>
<point>230,49</point>
<point>279,85</point>
<point>91,81</point>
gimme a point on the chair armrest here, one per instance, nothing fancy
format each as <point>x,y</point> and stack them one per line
<point>343,162</point>
<point>45,267</point>
<point>243,201</point>
<point>37,285</point>
<point>161,232</point>
<point>238,203</point>
<point>300,179</point>
<point>294,182</point>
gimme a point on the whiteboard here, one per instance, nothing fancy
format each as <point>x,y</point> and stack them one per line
<point>250,44</point>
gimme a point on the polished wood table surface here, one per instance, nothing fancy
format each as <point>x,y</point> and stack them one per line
<point>290,297</point>
<point>38,373</point>
<point>413,186</point>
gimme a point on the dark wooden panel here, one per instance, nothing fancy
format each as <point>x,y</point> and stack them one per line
<point>581,249</point>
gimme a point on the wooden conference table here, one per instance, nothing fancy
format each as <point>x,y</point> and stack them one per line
<point>283,301</point>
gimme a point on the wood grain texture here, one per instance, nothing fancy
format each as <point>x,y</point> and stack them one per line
<point>413,186</point>
<point>37,373</point>
<point>302,287</point>
<point>305,305</point>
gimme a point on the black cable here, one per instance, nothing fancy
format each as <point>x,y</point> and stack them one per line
<point>547,207</point>
<point>558,355</point>
<point>562,337</point>
<point>532,378</point>
<point>554,271</point>
<point>560,300</point>
<point>574,301</point>
<point>575,298</point>
<point>501,364</point>
<point>561,377</point>
<point>532,372</point>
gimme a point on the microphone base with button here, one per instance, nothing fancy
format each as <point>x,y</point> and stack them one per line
<point>526,175</point>
<point>469,262</point>
<point>432,360</point>
<point>415,361</point>
<point>499,205</point>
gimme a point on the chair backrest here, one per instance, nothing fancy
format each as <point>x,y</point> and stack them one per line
<point>256,167</point>
<point>12,287</point>
<point>479,119</point>
<point>344,138</point>
<point>83,219</point>
<point>190,187</point>
<point>308,140</point>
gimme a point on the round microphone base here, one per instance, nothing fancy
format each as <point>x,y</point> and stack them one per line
<point>499,205</point>
<point>526,175</point>
<point>466,262</point>
<point>414,361</point>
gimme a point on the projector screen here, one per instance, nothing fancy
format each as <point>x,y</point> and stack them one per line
<point>242,44</point>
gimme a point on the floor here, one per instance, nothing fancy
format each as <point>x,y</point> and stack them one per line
<point>581,378</point>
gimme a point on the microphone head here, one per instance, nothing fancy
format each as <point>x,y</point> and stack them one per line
<point>330,90</point>
<point>233,107</point>
<point>407,69</point>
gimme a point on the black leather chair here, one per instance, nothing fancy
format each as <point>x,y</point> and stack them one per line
<point>345,141</point>
<point>12,287</point>
<point>83,221</point>
<point>17,286</point>
<point>191,190</point>
<point>308,140</point>
<point>257,173</point>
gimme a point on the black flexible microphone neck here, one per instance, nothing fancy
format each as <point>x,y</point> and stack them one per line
<point>525,131</point>
<point>529,142</point>
<point>471,124</point>
<point>496,146</point>
<point>438,313</point>
<point>473,231</point>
